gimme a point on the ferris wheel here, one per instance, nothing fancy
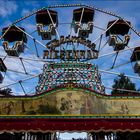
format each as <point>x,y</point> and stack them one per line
<point>67,45</point>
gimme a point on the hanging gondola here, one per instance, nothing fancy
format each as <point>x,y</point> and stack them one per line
<point>136,58</point>
<point>14,34</point>
<point>118,34</point>
<point>3,68</point>
<point>46,18</point>
<point>83,21</point>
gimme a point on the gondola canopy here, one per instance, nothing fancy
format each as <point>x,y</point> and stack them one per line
<point>14,34</point>
<point>119,28</point>
<point>135,55</point>
<point>88,15</point>
<point>3,67</point>
<point>43,17</point>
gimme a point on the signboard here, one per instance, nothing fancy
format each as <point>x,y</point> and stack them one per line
<point>69,49</point>
<point>70,102</point>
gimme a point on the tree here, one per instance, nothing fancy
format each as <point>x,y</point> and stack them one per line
<point>122,82</point>
<point>5,92</point>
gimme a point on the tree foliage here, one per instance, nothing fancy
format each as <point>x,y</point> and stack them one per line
<point>122,82</point>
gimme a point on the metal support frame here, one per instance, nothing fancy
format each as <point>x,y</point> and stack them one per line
<point>81,19</point>
<point>56,6</point>
<point>23,66</point>
<point>100,42</point>
<point>20,82</point>
<point>115,60</point>
<point>16,82</point>
<point>36,48</point>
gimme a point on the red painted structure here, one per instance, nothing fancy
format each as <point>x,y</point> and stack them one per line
<point>69,124</point>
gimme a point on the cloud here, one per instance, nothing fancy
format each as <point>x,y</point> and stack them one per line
<point>125,9</point>
<point>32,67</point>
<point>29,27</point>
<point>25,11</point>
<point>7,8</point>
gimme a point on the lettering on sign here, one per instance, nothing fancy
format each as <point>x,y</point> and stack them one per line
<point>74,53</point>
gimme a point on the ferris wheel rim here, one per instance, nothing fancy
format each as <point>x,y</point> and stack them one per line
<point>77,5</point>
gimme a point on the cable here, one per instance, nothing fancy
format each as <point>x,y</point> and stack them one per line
<point>34,76</point>
<point>5,57</point>
<point>53,23</point>
<point>115,59</point>
<point>106,30</point>
<point>115,73</point>
<point>31,37</point>
<point>120,89</point>
<point>32,65</point>
<point>119,65</point>
<point>20,82</point>
<point>31,59</point>
<point>19,72</point>
<point>103,46</point>
<point>23,66</point>
<point>36,48</point>
<point>100,42</point>
<point>81,19</point>
<point>61,23</point>
<point>116,51</point>
<point>30,92</point>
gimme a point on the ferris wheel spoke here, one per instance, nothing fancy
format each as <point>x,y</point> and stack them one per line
<point>53,23</point>
<point>33,32</point>
<point>20,72</point>
<point>31,91</point>
<point>25,58</point>
<point>100,42</point>
<point>31,51</point>
<point>5,57</point>
<point>115,59</point>
<point>105,31</point>
<point>104,45</point>
<point>120,65</point>
<point>31,37</point>
<point>37,67</point>
<point>23,66</point>
<point>20,82</point>
<point>31,77</point>
<point>99,28</point>
<point>114,52</point>
<point>36,48</point>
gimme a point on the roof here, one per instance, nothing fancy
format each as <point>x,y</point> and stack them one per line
<point>120,27</point>
<point>136,54</point>
<point>14,34</point>
<point>43,17</point>
<point>88,15</point>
